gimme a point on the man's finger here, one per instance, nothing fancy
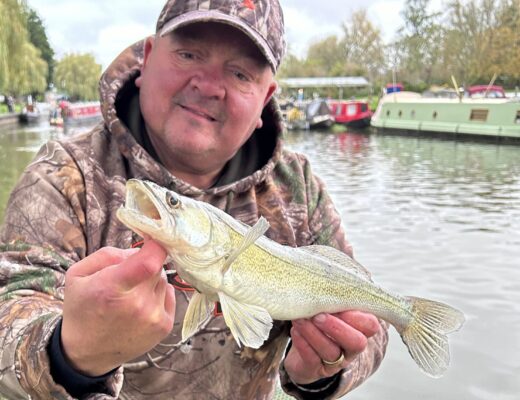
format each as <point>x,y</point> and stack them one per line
<point>363,322</point>
<point>346,336</point>
<point>99,260</point>
<point>325,348</point>
<point>145,265</point>
<point>306,352</point>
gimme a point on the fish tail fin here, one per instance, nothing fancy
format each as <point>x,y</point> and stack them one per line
<point>426,337</point>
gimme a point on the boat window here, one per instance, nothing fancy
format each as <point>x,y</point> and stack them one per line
<point>412,113</point>
<point>517,120</point>
<point>364,107</point>
<point>387,113</point>
<point>351,109</point>
<point>400,113</point>
<point>339,109</point>
<point>434,114</point>
<point>478,115</point>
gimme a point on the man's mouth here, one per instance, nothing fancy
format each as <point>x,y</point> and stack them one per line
<point>200,113</point>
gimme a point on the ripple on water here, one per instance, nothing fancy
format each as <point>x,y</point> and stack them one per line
<point>438,219</point>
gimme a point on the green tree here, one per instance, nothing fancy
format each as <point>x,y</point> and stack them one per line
<point>420,40</point>
<point>38,38</point>
<point>22,69</point>
<point>325,58</point>
<point>505,49</point>
<point>78,76</point>
<point>32,72</point>
<point>471,34</point>
<point>13,35</point>
<point>292,66</point>
<point>363,45</point>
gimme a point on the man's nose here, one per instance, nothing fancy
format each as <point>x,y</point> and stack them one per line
<point>209,82</point>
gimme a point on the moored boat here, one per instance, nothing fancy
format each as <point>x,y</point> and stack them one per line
<point>313,114</point>
<point>75,113</point>
<point>476,115</point>
<point>352,113</point>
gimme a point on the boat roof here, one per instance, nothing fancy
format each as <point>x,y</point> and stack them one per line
<point>339,81</point>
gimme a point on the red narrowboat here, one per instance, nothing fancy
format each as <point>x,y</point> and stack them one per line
<point>352,113</point>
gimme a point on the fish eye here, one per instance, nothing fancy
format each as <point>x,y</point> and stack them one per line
<point>172,201</point>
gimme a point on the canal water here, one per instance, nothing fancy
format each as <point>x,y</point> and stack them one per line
<point>429,217</point>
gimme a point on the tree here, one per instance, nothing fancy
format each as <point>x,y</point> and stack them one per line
<point>292,66</point>
<point>326,58</point>
<point>505,49</point>
<point>363,45</point>
<point>420,40</point>
<point>22,69</point>
<point>78,76</point>
<point>13,35</point>
<point>470,38</point>
<point>38,38</point>
<point>32,72</point>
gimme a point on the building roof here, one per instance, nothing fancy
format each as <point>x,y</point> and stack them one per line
<point>340,81</point>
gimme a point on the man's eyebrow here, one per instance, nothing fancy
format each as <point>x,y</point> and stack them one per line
<point>252,53</point>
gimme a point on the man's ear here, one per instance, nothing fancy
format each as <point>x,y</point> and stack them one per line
<point>270,93</point>
<point>148,46</point>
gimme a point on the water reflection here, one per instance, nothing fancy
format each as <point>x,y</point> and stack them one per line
<point>428,217</point>
<point>18,145</point>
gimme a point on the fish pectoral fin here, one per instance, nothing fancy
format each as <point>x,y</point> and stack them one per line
<point>199,311</point>
<point>338,257</point>
<point>249,324</point>
<point>250,238</point>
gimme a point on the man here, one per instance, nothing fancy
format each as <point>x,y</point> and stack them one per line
<point>85,315</point>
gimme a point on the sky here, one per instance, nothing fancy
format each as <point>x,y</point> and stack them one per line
<point>105,28</point>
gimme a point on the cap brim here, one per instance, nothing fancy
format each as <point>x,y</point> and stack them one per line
<point>216,16</point>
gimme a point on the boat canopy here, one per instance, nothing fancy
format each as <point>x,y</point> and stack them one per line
<point>338,81</point>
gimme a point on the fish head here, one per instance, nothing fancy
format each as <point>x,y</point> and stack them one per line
<point>180,224</point>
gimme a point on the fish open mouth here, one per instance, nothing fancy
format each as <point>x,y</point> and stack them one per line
<point>141,210</point>
<point>138,200</point>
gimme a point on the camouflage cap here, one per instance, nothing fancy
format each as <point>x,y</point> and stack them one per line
<point>261,20</point>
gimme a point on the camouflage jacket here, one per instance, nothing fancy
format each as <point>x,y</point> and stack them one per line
<point>63,208</point>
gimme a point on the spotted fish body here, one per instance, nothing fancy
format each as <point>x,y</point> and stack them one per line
<point>257,280</point>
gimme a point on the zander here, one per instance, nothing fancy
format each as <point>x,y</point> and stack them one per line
<point>257,280</point>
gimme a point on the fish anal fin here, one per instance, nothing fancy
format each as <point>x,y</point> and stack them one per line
<point>199,310</point>
<point>251,236</point>
<point>249,324</point>
<point>338,257</point>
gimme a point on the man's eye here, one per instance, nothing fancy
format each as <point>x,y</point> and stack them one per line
<point>186,55</point>
<point>241,76</point>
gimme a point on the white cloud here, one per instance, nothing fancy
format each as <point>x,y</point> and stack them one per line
<point>302,29</point>
<point>115,38</point>
<point>386,16</point>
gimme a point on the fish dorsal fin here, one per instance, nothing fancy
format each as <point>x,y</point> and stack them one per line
<point>338,257</point>
<point>249,324</point>
<point>251,236</point>
<point>199,311</point>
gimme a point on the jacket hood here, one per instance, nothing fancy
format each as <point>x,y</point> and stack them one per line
<point>115,84</point>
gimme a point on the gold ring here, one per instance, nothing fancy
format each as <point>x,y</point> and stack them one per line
<point>335,363</point>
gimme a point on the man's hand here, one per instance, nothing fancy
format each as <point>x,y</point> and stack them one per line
<point>118,305</point>
<point>326,337</point>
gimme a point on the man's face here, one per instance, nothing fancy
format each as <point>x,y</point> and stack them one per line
<point>202,91</point>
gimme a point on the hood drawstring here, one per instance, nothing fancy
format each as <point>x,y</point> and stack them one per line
<point>230,196</point>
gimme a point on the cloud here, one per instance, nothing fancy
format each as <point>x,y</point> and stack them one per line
<point>302,29</point>
<point>103,28</point>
